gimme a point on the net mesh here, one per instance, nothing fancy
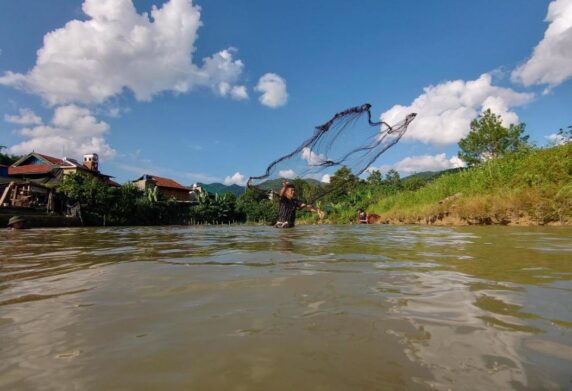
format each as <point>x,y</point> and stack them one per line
<point>350,138</point>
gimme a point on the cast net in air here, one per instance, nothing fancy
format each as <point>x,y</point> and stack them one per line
<point>350,138</point>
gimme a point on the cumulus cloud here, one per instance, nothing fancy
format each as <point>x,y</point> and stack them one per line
<point>26,117</point>
<point>326,178</point>
<point>313,158</point>
<point>557,139</point>
<point>116,49</point>
<point>551,60</point>
<point>288,174</point>
<point>413,164</point>
<point>273,89</point>
<point>236,179</point>
<point>446,110</point>
<point>73,131</point>
<point>421,163</point>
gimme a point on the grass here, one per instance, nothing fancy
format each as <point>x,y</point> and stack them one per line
<point>534,185</point>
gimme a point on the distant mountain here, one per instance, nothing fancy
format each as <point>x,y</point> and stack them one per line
<point>432,175</point>
<point>219,188</point>
<point>425,175</point>
<point>276,184</point>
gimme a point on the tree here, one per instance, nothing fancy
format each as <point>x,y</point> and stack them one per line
<point>489,139</point>
<point>7,159</point>
<point>393,179</point>
<point>413,183</point>
<point>342,183</point>
<point>374,178</point>
<point>564,136</point>
<point>254,205</point>
<point>92,194</point>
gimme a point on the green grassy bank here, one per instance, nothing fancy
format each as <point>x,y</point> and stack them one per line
<point>531,188</point>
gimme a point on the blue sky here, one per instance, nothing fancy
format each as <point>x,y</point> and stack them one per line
<point>135,89</point>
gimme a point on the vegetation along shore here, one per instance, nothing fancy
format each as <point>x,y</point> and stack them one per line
<point>506,181</point>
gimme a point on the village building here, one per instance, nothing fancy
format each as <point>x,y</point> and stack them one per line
<point>168,188</point>
<point>31,180</point>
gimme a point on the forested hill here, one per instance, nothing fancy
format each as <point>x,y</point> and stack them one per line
<point>219,188</point>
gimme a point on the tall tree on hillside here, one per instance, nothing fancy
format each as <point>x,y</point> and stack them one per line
<point>341,184</point>
<point>488,139</point>
<point>392,178</point>
<point>374,178</point>
<point>7,159</point>
<point>564,135</point>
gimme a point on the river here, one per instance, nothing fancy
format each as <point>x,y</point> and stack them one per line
<point>256,308</point>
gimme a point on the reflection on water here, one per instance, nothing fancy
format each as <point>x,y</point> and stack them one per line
<point>316,307</point>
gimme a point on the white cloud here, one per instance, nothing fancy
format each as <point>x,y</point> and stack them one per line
<point>551,60</point>
<point>445,111</point>
<point>288,174</point>
<point>413,164</point>
<point>326,178</point>
<point>26,117</point>
<point>313,158</point>
<point>239,92</point>
<point>557,139</point>
<point>72,132</point>
<point>236,179</point>
<point>116,49</point>
<point>273,89</point>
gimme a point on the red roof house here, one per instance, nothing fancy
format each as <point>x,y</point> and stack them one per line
<point>169,188</point>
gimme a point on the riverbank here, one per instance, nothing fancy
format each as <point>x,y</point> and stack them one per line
<point>529,188</point>
<point>532,188</point>
<point>37,218</point>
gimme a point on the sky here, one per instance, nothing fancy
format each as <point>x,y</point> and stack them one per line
<point>213,91</point>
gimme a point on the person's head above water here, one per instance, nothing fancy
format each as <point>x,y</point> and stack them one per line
<point>16,222</point>
<point>289,191</point>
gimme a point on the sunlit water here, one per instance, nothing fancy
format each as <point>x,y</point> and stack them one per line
<point>316,307</point>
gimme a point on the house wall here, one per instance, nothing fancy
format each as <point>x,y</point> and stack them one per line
<point>71,170</point>
<point>144,184</point>
<point>178,194</point>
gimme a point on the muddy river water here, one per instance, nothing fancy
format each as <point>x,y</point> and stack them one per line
<point>312,308</point>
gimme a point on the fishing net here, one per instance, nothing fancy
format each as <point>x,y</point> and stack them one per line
<point>350,138</point>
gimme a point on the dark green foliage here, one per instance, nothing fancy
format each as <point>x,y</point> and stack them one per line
<point>374,178</point>
<point>564,135</point>
<point>342,183</point>
<point>413,183</point>
<point>215,209</point>
<point>392,180</point>
<point>254,206</point>
<point>488,139</point>
<point>7,159</point>
<point>93,196</point>
<point>127,205</point>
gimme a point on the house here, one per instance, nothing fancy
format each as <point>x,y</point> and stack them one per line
<point>31,180</point>
<point>49,170</point>
<point>169,188</point>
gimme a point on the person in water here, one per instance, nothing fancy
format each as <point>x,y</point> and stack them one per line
<point>288,205</point>
<point>16,222</point>
<point>362,216</point>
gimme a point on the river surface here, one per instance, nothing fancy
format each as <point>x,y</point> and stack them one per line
<point>312,308</point>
